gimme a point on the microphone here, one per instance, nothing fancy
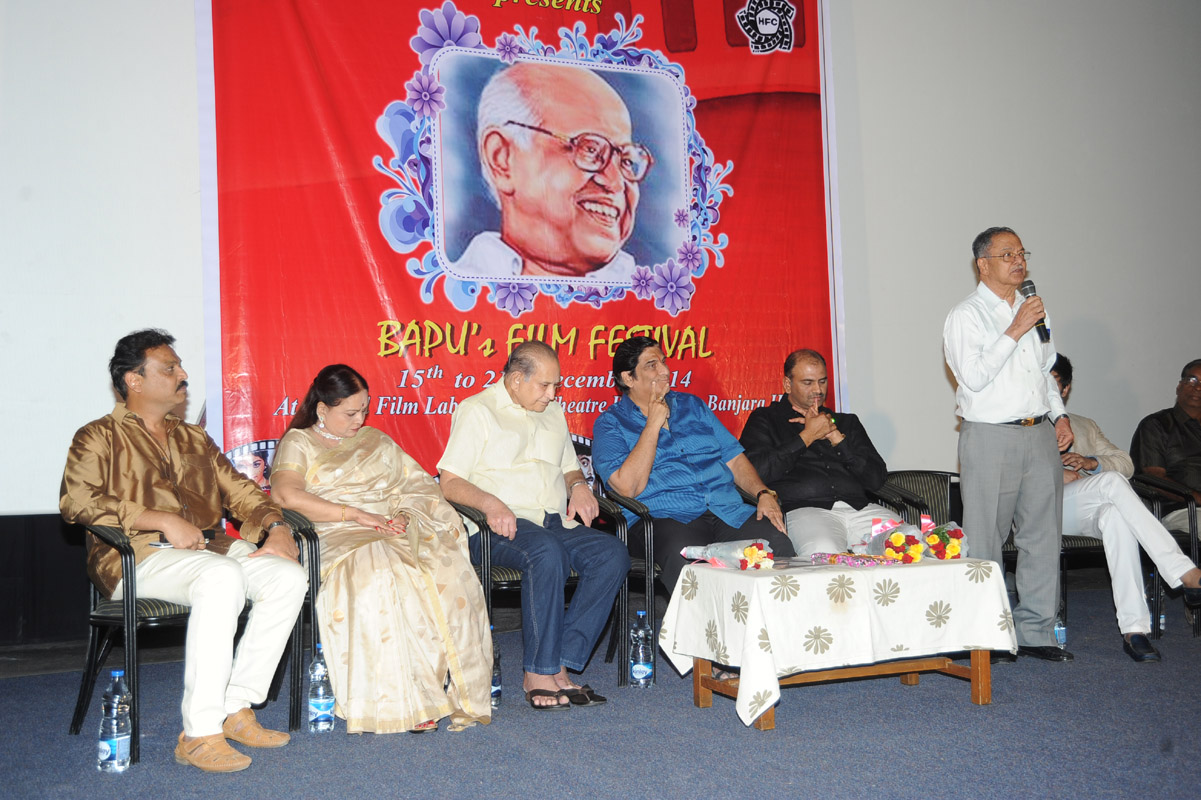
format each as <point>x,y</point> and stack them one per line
<point>1027,289</point>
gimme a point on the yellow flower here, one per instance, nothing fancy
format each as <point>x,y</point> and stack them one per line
<point>932,539</point>
<point>953,548</point>
<point>753,555</point>
<point>897,539</point>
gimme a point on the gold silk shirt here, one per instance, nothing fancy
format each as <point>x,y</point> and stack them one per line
<point>116,470</point>
<point>519,456</point>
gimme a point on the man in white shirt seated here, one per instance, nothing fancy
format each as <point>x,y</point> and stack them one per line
<point>1098,502</point>
<point>510,455</point>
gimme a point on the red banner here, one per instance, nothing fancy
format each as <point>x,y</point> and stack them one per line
<point>413,189</point>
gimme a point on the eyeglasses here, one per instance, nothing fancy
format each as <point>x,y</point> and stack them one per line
<point>1192,381</point>
<point>592,152</point>
<point>1009,256</point>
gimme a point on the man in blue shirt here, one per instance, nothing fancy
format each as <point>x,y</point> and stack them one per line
<point>667,450</point>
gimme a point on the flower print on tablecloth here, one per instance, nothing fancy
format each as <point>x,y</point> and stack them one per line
<point>784,587</point>
<point>759,701</point>
<point>939,613</point>
<point>689,585</point>
<point>818,640</point>
<point>764,640</point>
<point>979,571</point>
<point>1005,622</point>
<point>841,589</point>
<point>887,592</point>
<point>739,607</point>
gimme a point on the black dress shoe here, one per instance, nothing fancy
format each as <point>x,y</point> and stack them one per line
<point>1192,597</point>
<point>1047,652</point>
<point>1139,647</point>
<point>1002,657</point>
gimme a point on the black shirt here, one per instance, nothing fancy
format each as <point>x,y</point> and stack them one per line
<point>814,476</point>
<point>1170,439</point>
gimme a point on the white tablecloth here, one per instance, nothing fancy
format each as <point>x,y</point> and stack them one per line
<point>774,623</point>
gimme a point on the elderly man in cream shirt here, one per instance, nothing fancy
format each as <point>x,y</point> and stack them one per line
<point>510,455</point>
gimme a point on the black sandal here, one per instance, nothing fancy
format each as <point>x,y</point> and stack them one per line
<point>584,696</point>
<point>532,693</point>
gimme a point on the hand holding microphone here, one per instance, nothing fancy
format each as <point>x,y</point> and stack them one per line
<point>1028,291</point>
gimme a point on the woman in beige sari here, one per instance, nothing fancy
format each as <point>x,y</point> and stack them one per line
<point>400,611</point>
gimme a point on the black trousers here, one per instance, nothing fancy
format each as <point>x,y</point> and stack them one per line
<point>672,536</point>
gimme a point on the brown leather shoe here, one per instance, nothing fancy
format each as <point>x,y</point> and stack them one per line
<point>243,728</point>
<point>210,753</point>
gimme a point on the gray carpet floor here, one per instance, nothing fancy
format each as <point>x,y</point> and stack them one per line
<point>1102,726</point>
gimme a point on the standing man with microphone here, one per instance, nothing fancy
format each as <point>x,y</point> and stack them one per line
<point>1014,427</point>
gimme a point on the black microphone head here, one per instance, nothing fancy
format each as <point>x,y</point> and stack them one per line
<point>1027,288</point>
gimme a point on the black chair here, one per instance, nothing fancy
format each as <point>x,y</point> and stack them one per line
<point>1159,494</point>
<point>644,567</point>
<point>107,618</point>
<point>494,577</point>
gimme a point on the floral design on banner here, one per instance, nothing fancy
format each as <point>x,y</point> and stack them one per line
<point>887,592</point>
<point>939,613</point>
<point>739,607</point>
<point>408,211</point>
<point>841,589</point>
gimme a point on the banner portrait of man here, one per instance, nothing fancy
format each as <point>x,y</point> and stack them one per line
<point>551,171</point>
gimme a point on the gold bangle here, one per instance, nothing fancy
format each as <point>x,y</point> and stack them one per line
<point>343,512</point>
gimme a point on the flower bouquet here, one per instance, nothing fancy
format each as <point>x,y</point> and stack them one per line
<point>943,541</point>
<point>745,554</point>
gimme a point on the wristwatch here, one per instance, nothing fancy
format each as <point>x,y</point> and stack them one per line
<point>772,492</point>
<point>276,523</point>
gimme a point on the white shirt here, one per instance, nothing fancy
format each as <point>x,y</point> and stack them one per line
<point>489,257</point>
<point>1000,380</point>
<point>519,456</point>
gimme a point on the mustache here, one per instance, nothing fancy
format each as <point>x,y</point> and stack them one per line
<point>182,385</point>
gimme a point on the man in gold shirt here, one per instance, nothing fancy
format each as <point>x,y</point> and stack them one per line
<point>165,483</point>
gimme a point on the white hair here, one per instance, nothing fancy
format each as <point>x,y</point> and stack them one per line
<point>502,101</point>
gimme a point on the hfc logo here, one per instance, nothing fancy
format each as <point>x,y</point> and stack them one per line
<point>768,24</point>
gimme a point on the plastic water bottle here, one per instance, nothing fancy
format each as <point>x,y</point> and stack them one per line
<point>1162,619</point>
<point>112,749</point>
<point>321,696</point>
<point>642,653</point>
<point>1061,633</point>
<point>496,688</point>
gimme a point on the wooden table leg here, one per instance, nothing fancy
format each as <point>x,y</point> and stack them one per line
<point>981,678</point>
<point>702,696</point>
<point>766,720</point>
<point>910,678</point>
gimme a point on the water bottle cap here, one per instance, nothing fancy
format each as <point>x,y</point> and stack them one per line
<point>118,673</point>
<point>641,614</point>
<point>318,647</point>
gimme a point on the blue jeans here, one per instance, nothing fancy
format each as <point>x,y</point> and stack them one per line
<point>546,554</point>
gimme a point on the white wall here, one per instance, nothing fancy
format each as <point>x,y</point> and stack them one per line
<point>1076,122</point>
<point>99,215</point>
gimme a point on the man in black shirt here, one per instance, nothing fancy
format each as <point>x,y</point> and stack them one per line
<point>1167,444</point>
<point>821,464</point>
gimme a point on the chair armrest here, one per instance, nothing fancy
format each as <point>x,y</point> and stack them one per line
<point>611,509</point>
<point>1165,487</point>
<point>309,543</point>
<point>635,507</point>
<point>901,500</point>
<point>474,514</point>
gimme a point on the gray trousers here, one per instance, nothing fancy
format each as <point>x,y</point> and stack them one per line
<point>1013,476</point>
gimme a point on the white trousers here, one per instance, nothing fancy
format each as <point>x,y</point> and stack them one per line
<point>820,530</point>
<point>1104,506</point>
<point>217,682</point>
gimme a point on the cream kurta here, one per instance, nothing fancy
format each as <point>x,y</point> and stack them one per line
<point>397,614</point>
